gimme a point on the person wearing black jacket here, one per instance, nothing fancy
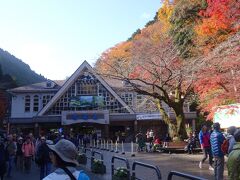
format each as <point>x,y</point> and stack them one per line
<point>3,167</point>
<point>19,154</point>
<point>43,159</point>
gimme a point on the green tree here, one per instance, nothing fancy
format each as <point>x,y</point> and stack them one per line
<point>183,21</point>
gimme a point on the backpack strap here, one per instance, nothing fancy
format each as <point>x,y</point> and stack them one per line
<point>66,170</point>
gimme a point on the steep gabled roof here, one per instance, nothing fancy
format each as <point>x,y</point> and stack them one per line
<point>72,79</point>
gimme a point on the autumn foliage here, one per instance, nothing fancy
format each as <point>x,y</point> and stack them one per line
<point>196,40</point>
<point>219,20</point>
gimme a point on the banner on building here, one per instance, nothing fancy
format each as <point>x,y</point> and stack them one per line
<point>148,117</point>
<point>86,101</point>
<point>228,115</point>
<point>73,117</point>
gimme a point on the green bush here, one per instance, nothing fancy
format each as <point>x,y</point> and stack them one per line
<point>121,174</point>
<point>98,167</point>
<point>82,159</point>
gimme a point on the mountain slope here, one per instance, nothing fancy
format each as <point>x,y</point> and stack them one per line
<point>18,70</point>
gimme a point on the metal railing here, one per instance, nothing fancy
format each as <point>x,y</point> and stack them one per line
<point>121,159</point>
<point>183,175</point>
<point>93,156</point>
<point>149,166</point>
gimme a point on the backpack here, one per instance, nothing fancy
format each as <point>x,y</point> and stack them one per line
<point>83,176</point>
<point>224,146</point>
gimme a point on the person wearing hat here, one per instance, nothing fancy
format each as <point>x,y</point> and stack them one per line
<point>64,156</point>
<point>216,140</point>
<point>233,163</point>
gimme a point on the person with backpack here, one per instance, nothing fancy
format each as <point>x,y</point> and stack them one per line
<point>204,139</point>
<point>42,158</point>
<point>217,140</point>
<point>231,140</point>
<point>64,157</point>
<point>233,163</point>
<point>28,153</point>
<point>11,149</point>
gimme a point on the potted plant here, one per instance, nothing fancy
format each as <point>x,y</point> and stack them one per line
<point>98,167</point>
<point>121,174</point>
<point>82,158</point>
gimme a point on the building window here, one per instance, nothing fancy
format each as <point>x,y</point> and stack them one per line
<point>127,98</point>
<point>46,99</point>
<point>35,103</point>
<point>27,103</point>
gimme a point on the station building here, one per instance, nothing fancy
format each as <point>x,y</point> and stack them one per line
<point>85,102</point>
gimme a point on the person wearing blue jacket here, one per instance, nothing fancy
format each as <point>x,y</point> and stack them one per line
<point>216,140</point>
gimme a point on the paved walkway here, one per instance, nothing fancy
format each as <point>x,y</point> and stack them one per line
<point>165,162</point>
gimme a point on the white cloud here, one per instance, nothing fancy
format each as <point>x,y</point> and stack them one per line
<point>145,16</point>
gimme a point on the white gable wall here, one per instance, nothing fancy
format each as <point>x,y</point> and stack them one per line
<point>18,105</point>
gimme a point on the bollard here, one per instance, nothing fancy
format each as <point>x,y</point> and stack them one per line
<point>94,144</point>
<point>107,146</point>
<point>112,148</point>
<point>104,143</point>
<point>97,144</point>
<point>116,150</point>
<point>132,153</point>
<point>101,144</point>
<point>90,143</point>
<point>82,142</point>
<point>123,152</point>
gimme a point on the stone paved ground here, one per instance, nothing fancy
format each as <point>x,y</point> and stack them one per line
<point>165,162</point>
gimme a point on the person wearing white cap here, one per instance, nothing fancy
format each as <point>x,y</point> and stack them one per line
<point>64,156</point>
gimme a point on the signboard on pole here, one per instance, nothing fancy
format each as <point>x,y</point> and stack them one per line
<point>228,115</point>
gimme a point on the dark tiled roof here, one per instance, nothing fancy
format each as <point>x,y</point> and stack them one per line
<point>39,87</point>
<point>117,85</point>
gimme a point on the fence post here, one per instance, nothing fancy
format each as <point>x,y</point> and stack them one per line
<point>116,144</point>
<point>112,148</point>
<point>123,152</point>
<point>132,150</point>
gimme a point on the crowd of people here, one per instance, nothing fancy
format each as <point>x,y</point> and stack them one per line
<point>215,145</point>
<point>58,150</point>
<point>48,152</point>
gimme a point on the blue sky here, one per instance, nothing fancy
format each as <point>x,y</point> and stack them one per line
<point>55,36</point>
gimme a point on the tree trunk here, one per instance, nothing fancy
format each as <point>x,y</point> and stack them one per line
<point>172,127</point>
<point>177,129</point>
<point>180,120</point>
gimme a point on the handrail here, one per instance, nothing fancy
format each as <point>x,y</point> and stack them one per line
<point>88,150</point>
<point>93,155</point>
<point>147,166</point>
<point>122,159</point>
<point>187,176</point>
